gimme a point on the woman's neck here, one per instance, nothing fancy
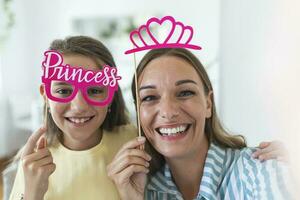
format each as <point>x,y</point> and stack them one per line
<point>78,145</point>
<point>187,171</point>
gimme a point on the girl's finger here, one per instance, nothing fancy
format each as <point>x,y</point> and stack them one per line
<point>42,162</point>
<point>267,149</point>
<point>41,143</point>
<point>264,144</point>
<point>36,156</point>
<point>31,142</point>
<point>269,155</point>
<point>49,168</point>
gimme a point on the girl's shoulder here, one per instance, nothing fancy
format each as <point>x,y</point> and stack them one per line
<point>122,133</point>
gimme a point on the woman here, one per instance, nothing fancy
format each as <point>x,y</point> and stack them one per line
<point>193,157</point>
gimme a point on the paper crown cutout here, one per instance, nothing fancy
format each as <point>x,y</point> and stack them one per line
<point>181,42</point>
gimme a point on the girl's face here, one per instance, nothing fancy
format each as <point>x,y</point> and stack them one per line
<point>173,107</point>
<point>78,120</point>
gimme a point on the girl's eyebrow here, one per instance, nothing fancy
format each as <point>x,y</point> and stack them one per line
<point>60,83</point>
<point>180,82</point>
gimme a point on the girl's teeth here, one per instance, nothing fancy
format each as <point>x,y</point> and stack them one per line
<point>79,120</point>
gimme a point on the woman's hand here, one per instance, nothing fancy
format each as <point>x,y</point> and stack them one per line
<point>271,150</point>
<point>129,169</point>
<point>37,165</point>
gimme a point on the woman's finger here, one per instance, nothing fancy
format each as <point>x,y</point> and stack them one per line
<point>132,144</point>
<point>133,152</point>
<point>119,166</point>
<point>125,175</point>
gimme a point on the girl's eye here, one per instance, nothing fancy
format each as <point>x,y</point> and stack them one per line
<point>64,91</point>
<point>186,93</point>
<point>95,91</point>
<point>148,98</point>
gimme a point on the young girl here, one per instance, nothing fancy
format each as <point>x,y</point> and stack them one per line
<point>81,138</point>
<point>193,157</point>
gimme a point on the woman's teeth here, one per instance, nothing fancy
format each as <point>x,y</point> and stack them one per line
<point>79,120</point>
<point>173,131</point>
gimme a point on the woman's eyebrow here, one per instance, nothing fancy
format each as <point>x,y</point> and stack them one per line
<point>147,87</point>
<point>185,81</point>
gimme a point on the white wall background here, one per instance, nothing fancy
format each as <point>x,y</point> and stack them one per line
<point>259,71</point>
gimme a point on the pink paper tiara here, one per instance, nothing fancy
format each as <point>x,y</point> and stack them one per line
<point>181,42</point>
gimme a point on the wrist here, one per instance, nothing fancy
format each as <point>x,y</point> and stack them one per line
<point>32,196</point>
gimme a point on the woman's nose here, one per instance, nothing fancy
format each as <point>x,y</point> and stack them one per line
<point>168,108</point>
<point>79,103</point>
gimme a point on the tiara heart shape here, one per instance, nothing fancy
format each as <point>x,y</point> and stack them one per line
<point>180,39</point>
<point>166,24</point>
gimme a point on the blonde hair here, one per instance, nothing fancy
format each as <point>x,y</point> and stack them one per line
<point>214,131</point>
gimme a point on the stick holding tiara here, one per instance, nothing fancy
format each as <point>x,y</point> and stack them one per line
<point>137,98</point>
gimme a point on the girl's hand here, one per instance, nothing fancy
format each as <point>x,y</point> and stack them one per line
<point>129,169</point>
<point>37,165</point>
<point>271,150</point>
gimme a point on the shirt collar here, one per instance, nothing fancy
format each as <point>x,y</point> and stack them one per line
<point>212,173</point>
<point>162,179</point>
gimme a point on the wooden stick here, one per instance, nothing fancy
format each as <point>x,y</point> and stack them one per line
<point>46,121</point>
<point>141,147</point>
<point>137,98</point>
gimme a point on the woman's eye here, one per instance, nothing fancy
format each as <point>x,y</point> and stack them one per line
<point>148,98</point>
<point>186,93</point>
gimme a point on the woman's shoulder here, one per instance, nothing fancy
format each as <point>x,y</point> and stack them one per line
<point>271,177</point>
<point>253,169</point>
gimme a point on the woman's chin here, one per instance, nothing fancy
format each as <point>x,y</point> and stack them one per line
<point>172,153</point>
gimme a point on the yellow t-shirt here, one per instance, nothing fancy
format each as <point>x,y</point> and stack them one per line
<point>81,175</point>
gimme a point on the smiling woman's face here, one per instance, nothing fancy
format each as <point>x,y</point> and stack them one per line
<point>173,107</point>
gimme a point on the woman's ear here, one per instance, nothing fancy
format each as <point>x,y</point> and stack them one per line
<point>209,100</point>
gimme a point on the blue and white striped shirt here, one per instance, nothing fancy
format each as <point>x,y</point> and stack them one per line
<point>228,174</point>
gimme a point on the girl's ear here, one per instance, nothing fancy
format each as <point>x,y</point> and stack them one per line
<point>42,92</point>
<point>209,99</point>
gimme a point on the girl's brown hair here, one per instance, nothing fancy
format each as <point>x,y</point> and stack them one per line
<point>214,131</point>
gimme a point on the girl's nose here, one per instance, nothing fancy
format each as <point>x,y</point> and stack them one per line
<point>79,104</point>
<point>168,109</point>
